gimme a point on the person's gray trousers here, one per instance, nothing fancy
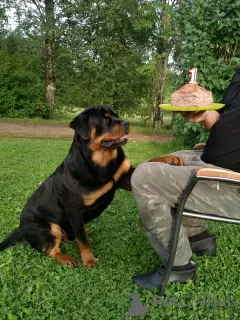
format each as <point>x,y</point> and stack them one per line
<point>157,186</point>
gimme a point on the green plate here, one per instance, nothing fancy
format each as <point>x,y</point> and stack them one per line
<point>214,106</point>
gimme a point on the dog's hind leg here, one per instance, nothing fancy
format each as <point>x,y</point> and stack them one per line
<point>77,223</point>
<point>55,252</point>
<point>46,237</point>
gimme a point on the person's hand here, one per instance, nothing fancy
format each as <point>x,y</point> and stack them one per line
<point>194,116</point>
<point>206,118</point>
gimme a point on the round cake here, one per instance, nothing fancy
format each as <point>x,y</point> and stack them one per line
<point>191,95</point>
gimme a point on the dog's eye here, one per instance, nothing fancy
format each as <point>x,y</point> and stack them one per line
<point>105,117</point>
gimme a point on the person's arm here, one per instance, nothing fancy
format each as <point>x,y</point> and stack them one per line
<point>231,93</point>
<point>206,118</point>
<point>230,99</point>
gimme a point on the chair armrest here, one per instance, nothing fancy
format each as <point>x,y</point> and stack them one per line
<point>218,173</point>
<point>199,146</point>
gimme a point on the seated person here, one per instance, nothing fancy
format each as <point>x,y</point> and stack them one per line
<point>157,186</point>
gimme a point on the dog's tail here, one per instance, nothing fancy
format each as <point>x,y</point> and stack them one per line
<point>12,239</point>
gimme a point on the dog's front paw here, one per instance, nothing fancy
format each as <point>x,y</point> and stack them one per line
<point>64,259</point>
<point>172,160</point>
<point>88,259</point>
<point>90,262</point>
<point>70,261</point>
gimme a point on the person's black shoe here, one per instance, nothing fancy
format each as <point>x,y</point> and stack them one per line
<point>154,279</point>
<point>205,246</point>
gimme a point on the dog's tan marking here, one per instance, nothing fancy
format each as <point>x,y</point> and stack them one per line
<point>103,157</point>
<point>56,231</point>
<point>116,133</point>
<point>100,155</point>
<point>87,230</point>
<point>93,133</point>
<point>55,251</point>
<point>124,167</point>
<point>65,235</point>
<point>92,197</point>
<point>88,259</point>
<point>173,160</point>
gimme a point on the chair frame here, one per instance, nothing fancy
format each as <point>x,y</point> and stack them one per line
<point>207,174</point>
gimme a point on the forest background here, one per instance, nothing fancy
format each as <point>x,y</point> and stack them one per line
<point>58,57</point>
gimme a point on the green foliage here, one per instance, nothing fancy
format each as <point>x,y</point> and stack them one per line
<point>105,52</point>
<point>33,286</point>
<point>108,45</point>
<point>21,90</point>
<point>189,133</point>
<point>171,85</point>
<point>28,110</point>
<point>208,37</point>
<point>100,49</point>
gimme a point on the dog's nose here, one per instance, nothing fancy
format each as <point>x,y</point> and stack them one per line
<point>125,124</point>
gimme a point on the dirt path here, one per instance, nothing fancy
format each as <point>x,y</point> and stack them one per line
<point>35,130</point>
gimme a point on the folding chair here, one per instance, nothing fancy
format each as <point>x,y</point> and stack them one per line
<point>201,174</point>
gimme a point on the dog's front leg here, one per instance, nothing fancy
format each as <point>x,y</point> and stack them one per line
<point>170,159</point>
<point>125,181</point>
<point>77,223</point>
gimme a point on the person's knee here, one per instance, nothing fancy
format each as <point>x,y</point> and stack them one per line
<point>139,176</point>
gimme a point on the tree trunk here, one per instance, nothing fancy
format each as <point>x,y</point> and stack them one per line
<point>49,52</point>
<point>160,80</point>
<point>173,118</point>
<point>163,51</point>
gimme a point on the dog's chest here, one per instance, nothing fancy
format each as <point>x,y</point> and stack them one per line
<point>92,197</point>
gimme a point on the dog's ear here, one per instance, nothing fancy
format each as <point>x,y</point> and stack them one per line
<point>80,124</point>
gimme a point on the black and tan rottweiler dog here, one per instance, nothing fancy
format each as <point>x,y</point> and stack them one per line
<point>80,189</point>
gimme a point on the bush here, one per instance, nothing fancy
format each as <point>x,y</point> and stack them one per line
<point>29,110</point>
<point>189,133</point>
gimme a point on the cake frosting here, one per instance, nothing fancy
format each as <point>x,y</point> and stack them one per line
<point>191,95</point>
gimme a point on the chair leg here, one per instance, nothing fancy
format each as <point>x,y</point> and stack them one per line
<point>176,225</point>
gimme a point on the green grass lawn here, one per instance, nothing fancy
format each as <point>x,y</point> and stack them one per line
<point>33,286</point>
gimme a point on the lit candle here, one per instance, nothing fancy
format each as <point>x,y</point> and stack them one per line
<point>193,75</point>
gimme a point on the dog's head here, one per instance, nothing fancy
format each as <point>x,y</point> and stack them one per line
<point>101,127</point>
